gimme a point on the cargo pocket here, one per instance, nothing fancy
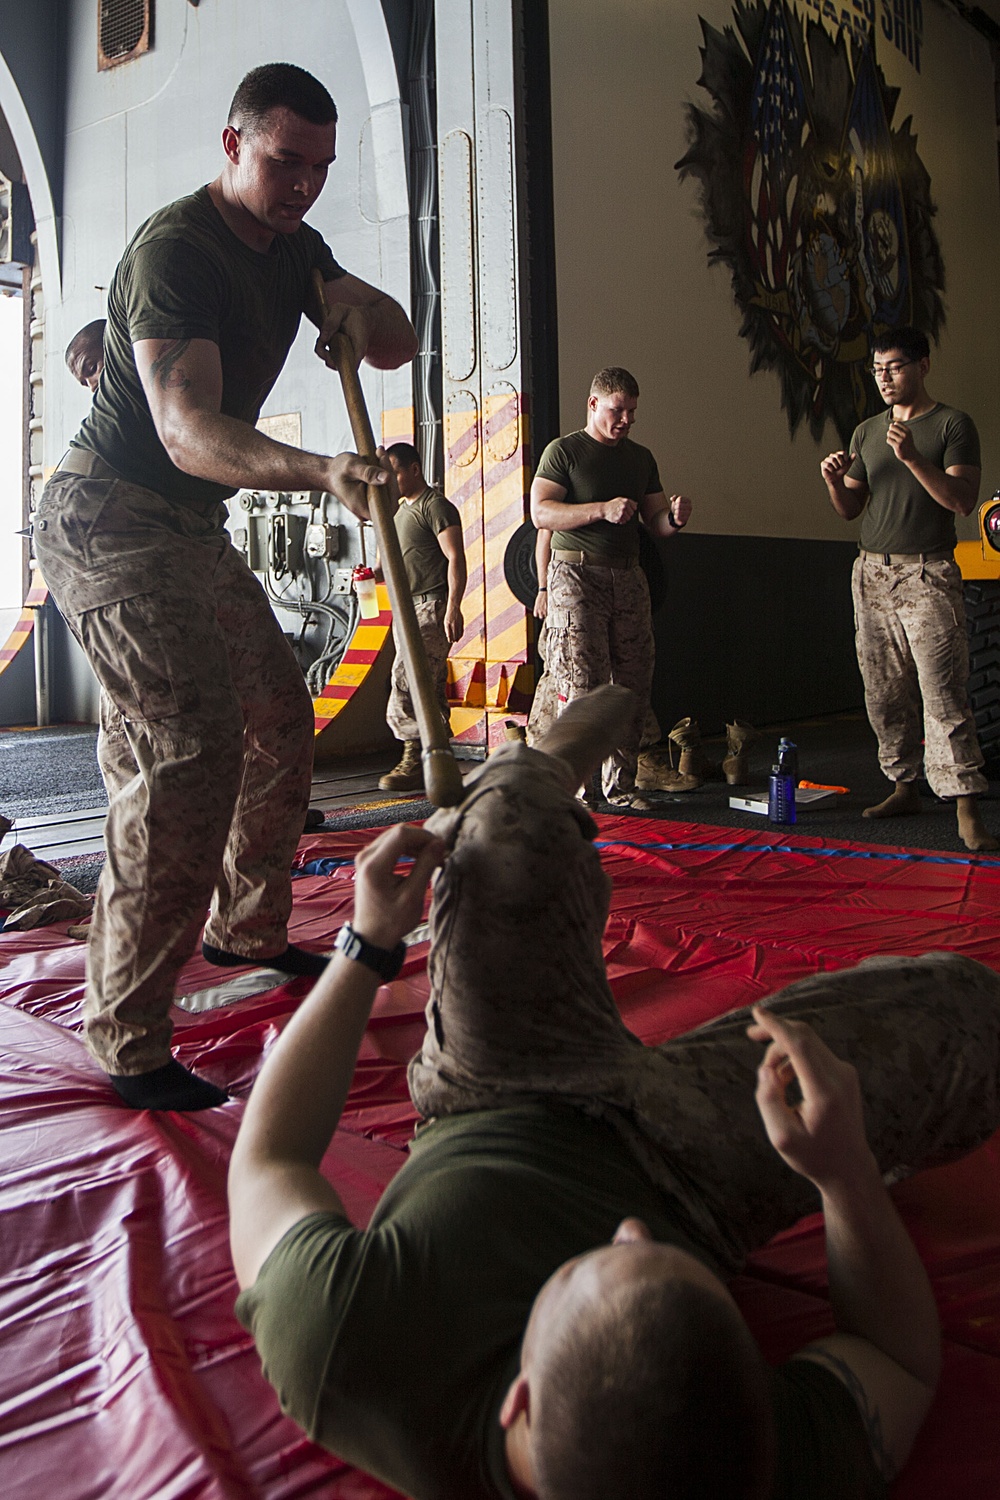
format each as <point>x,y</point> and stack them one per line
<point>556,626</point>
<point>155,655</point>
<point>944,579</point>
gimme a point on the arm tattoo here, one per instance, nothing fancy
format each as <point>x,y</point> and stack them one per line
<point>163,367</point>
<point>869,1413</point>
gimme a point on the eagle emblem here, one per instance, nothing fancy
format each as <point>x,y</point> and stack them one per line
<point>821,209</point>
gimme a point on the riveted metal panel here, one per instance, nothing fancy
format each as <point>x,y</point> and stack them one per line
<point>497,266</point>
<point>485,407</point>
<point>462,429</point>
<point>458,312</point>
<point>501,411</point>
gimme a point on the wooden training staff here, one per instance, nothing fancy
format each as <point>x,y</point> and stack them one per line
<point>442,777</point>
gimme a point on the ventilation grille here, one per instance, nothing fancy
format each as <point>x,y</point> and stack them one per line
<point>124,31</point>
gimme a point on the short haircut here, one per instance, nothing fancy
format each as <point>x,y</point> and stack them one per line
<point>614,381</point>
<point>280,86</point>
<point>657,1391</point>
<point>405,452</point>
<point>909,341</point>
<point>89,339</point>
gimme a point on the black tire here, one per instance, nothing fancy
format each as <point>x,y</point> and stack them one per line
<point>519,565</point>
<point>982,613</point>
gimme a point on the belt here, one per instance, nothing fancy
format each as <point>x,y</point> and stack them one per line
<point>912,557</point>
<point>434,594</point>
<point>83,461</point>
<point>593,560</point>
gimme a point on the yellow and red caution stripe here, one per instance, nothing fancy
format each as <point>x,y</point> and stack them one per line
<point>487,478</point>
<point>21,633</point>
<point>357,661</point>
<point>494,472</point>
<point>369,638</point>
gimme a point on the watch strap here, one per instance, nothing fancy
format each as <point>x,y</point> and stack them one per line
<point>385,962</point>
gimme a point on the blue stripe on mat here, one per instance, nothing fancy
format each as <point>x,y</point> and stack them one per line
<point>829,853</point>
<point>327,865</point>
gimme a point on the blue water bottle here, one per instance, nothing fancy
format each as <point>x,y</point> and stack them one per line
<point>788,759</point>
<point>781,797</point>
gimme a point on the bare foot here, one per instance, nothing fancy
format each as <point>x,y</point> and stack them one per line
<point>902,802</point>
<point>970,827</point>
<point>588,729</point>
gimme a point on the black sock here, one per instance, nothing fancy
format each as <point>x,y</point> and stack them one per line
<point>169,1087</point>
<point>293,961</point>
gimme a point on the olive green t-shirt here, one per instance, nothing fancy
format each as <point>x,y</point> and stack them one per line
<point>394,1346</point>
<point>418,525</point>
<point>186,275</point>
<point>588,470</point>
<point>899,515</point>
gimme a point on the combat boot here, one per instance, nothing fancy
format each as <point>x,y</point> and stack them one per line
<point>408,775</point>
<point>738,737</point>
<point>687,737</point>
<point>654,774</point>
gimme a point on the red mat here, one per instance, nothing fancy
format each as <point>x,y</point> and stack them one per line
<point>125,1375</point>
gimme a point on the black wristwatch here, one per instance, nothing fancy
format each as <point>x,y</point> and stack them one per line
<point>386,962</point>
<point>676,525</point>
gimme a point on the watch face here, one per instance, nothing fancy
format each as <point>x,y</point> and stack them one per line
<point>348,942</point>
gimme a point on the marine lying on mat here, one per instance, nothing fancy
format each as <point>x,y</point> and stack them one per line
<point>538,1306</point>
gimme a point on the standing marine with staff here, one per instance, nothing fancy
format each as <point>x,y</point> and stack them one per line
<point>206,723</point>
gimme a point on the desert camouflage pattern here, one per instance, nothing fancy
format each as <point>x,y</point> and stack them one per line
<point>598,630</point>
<point>913,652</point>
<point>544,707</point>
<point>520,1008</point>
<point>399,714</point>
<point>34,893</point>
<point>545,701</point>
<point>205,747</point>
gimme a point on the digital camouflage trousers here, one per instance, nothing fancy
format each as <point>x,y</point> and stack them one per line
<point>913,653</point>
<point>205,748</point>
<point>399,714</point>
<point>545,701</point>
<point>599,630</point>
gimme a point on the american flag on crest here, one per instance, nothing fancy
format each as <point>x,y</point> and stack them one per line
<point>778,106</point>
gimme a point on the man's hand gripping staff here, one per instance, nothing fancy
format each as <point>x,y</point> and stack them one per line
<point>442,777</point>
